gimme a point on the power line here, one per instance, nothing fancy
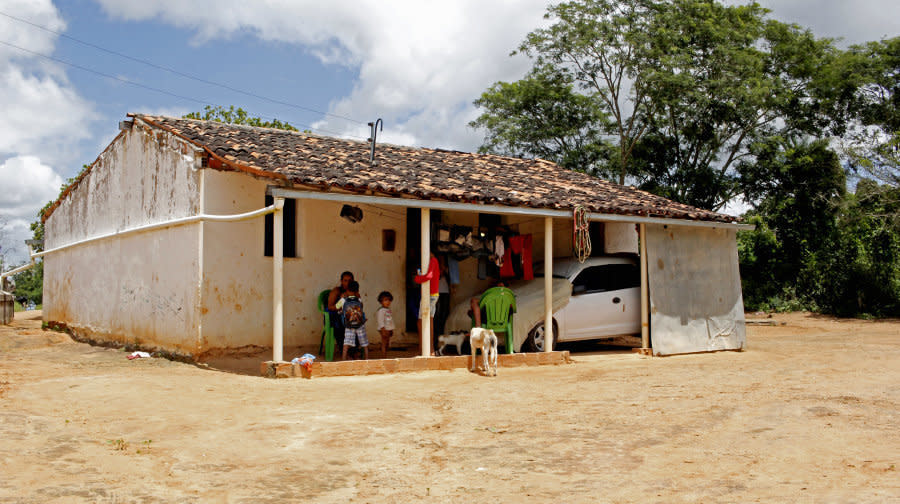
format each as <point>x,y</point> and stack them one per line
<point>150,88</point>
<point>179,73</point>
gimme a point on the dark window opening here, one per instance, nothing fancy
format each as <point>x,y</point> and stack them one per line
<point>606,278</point>
<point>388,240</point>
<point>290,228</point>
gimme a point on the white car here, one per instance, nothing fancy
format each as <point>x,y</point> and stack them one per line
<point>605,301</point>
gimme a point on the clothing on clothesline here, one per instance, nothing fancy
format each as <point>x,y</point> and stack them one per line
<point>527,261</point>
<point>453,267</point>
<point>499,250</point>
<point>517,261</point>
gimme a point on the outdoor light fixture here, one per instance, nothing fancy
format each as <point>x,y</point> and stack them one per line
<point>351,213</point>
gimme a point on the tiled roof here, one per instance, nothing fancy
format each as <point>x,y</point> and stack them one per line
<point>311,160</point>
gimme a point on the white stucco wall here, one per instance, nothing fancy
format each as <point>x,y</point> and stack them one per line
<point>620,237</point>
<point>237,287</point>
<point>140,288</point>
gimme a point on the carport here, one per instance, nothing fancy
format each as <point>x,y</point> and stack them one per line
<point>697,304</point>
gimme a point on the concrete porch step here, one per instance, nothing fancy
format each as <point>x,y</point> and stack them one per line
<point>271,369</point>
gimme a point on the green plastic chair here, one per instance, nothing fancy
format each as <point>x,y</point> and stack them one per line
<point>327,331</point>
<point>499,304</point>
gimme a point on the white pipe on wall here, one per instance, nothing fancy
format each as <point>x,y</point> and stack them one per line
<point>20,268</point>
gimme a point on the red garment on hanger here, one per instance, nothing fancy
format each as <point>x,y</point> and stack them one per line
<point>521,246</point>
<point>506,270</point>
<point>527,266</point>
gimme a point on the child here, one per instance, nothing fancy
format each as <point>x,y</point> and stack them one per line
<point>354,320</point>
<point>385,320</point>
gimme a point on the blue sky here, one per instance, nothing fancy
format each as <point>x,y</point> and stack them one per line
<point>272,69</point>
<point>417,64</point>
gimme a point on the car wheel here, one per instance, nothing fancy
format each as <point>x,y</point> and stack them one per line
<point>536,338</point>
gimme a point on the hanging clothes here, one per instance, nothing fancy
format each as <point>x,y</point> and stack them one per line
<point>453,266</point>
<point>518,258</point>
<point>527,262</point>
<point>499,250</point>
<point>506,270</point>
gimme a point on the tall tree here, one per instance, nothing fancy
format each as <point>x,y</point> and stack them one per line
<point>799,187</point>
<point>722,78</point>
<point>541,115</point>
<point>874,145</point>
<point>687,85</point>
<point>596,45</point>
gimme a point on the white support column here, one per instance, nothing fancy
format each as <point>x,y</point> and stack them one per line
<point>425,305</point>
<point>278,281</point>
<point>548,284</point>
<point>645,312</point>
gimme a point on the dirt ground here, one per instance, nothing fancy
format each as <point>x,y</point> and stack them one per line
<point>808,413</point>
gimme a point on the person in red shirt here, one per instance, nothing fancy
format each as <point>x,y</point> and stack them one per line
<point>433,275</point>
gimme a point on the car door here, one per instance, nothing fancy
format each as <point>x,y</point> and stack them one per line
<point>604,302</point>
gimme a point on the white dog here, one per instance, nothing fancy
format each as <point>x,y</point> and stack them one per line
<point>486,341</point>
<point>455,338</point>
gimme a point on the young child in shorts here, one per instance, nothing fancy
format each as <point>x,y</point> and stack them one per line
<point>385,319</point>
<point>354,318</point>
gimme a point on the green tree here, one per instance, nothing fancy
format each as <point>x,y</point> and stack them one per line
<point>593,44</point>
<point>541,115</point>
<point>237,116</point>
<point>800,187</point>
<point>858,273</point>
<point>723,78</point>
<point>873,147</point>
<point>30,284</point>
<point>817,246</point>
<point>682,88</point>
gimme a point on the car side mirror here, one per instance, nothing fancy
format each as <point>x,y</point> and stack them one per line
<point>578,289</point>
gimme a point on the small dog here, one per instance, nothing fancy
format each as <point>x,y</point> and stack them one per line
<point>455,338</point>
<point>486,340</point>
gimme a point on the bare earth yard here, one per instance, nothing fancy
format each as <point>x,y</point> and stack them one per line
<point>808,413</point>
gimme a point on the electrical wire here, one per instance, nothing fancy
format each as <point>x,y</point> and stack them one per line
<point>157,90</point>
<point>179,73</point>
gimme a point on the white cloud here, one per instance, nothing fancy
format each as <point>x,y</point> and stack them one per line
<point>44,118</point>
<point>41,114</point>
<point>420,63</point>
<point>853,22</point>
<point>40,12</point>
<point>28,184</point>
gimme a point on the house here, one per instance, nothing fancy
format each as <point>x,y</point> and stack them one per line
<point>196,236</point>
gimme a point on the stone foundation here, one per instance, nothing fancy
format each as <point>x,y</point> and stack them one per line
<point>271,369</point>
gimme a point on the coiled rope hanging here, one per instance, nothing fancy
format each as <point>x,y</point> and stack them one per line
<point>581,236</point>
